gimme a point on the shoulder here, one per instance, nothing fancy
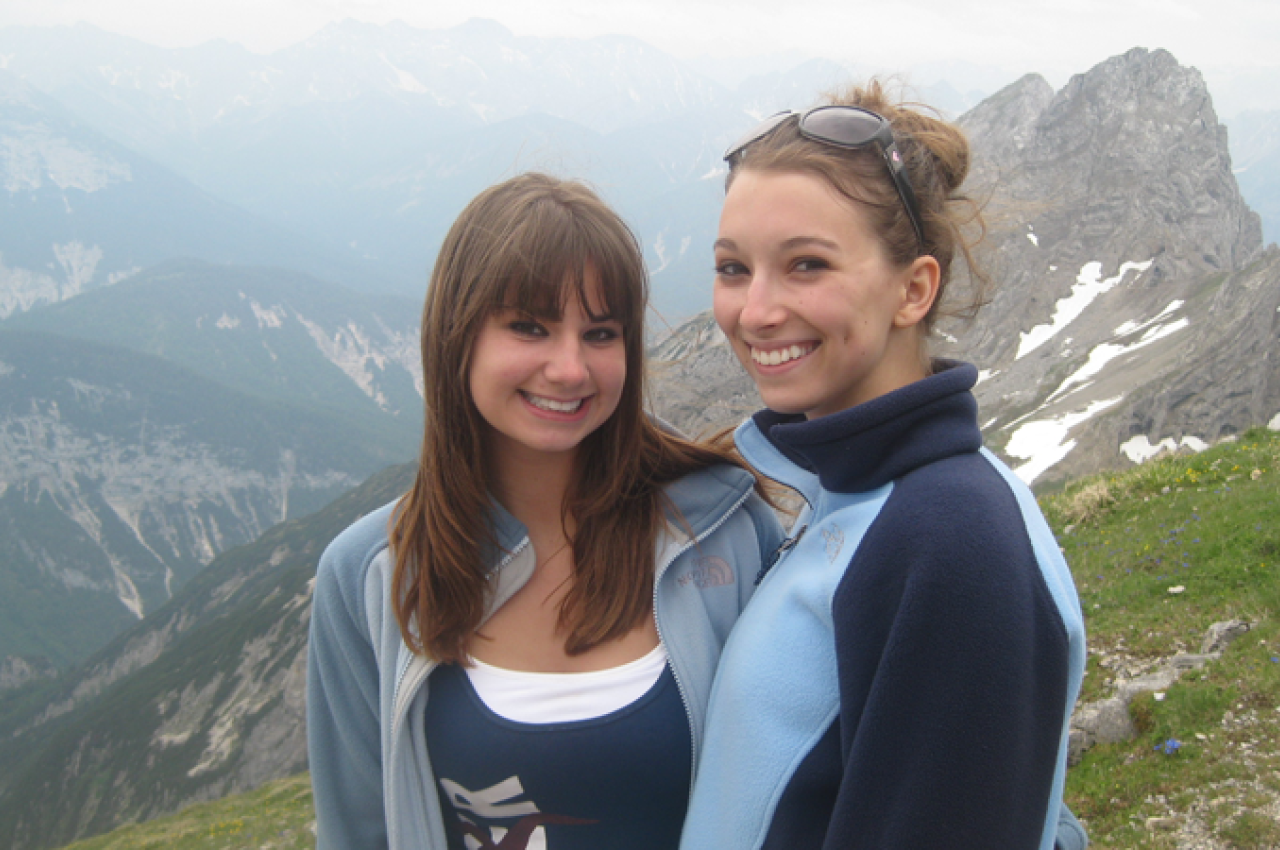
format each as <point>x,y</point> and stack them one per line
<point>956,507</point>
<point>344,566</point>
<point>703,497</point>
<point>959,533</point>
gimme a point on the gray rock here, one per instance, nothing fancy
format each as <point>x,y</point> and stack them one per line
<point>1159,680</point>
<point>1106,721</point>
<point>1182,662</point>
<point>1220,635</point>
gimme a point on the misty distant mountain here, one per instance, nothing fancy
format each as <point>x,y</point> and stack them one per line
<point>78,210</point>
<point>278,335</point>
<point>369,139</point>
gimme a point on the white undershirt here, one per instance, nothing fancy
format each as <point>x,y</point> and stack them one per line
<point>565,697</point>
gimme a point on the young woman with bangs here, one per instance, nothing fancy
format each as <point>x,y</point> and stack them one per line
<point>519,652</point>
<point>906,671</point>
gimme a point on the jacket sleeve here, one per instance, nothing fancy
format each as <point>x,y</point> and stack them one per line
<point>343,734</point>
<point>953,673</point>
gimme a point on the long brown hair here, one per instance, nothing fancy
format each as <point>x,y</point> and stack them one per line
<point>531,243</point>
<point>936,156</point>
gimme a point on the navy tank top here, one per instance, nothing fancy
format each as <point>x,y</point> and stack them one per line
<point>619,781</point>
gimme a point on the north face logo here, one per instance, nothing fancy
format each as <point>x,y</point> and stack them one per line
<point>708,572</point>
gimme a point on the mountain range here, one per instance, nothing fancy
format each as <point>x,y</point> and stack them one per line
<point>362,143</point>
<point>1133,285</point>
<point>149,426</point>
<point>79,211</point>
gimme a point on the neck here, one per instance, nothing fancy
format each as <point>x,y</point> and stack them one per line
<point>532,486</point>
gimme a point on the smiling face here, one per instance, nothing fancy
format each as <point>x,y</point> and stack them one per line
<point>808,298</point>
<point>542,386</point>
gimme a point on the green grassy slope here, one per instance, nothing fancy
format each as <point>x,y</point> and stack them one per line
<point>277,816</point>
<point>1209,524</point>
<point>1161,552</point>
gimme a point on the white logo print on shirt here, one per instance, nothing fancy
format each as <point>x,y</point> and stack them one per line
<point>493,803</point>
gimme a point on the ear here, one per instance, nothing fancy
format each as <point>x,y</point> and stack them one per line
<point>919,291</point>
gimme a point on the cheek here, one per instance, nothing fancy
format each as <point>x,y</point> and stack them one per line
<point>611,374</point>
<point>726,305</point>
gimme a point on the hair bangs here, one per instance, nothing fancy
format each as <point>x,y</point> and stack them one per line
<point>561,251</point>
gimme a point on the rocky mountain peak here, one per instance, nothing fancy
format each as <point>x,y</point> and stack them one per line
<point>1126,164</point>
<point>1007,120</point>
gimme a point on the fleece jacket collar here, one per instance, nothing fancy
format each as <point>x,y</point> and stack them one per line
<point>874,443</point>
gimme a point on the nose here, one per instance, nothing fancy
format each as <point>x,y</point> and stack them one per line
<point>567,362</point>
<point>761,308</point>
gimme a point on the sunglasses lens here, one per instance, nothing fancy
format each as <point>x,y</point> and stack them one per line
<point>758,132</point>
<point>844,126</point>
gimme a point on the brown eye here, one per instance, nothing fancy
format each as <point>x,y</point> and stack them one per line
<point>811,264</point>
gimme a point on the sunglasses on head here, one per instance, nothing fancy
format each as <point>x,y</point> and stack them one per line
<point>848,127</point>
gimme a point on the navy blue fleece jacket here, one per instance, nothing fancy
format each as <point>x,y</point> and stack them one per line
<point>904,676</point>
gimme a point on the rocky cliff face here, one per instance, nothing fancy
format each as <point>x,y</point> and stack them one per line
<point>1116,221</point>
<point>203,698</point>
<point>121,476</point>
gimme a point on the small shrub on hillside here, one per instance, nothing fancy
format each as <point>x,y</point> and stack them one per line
<point>1142,711</point>
<point>1088,503</point>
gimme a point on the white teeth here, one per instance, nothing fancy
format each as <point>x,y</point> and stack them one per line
<point>553,405</point>
<point>779,355</point>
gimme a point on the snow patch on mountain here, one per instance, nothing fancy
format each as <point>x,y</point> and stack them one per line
<point>1103,354</point>
<point>1043,443</point>
<point>1140,448</point>
<point>28,160</point>
<point>173,80</point>
<point>404,80</point>
<point>1133,327</point>
<point>1088,286</point>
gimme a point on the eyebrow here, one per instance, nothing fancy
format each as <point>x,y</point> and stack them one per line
<point>801,241</point>
<point>792,243</point>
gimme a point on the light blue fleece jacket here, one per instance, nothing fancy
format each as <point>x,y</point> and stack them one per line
<point>367,693</point>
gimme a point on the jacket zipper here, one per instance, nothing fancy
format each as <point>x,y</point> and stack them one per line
<point>657,577</point>
<point>393,826</point>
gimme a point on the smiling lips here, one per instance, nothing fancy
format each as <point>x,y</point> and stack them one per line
<point>778,356</point>
<point>551,405</point>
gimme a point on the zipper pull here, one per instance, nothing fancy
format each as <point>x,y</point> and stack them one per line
<point>783,548</point>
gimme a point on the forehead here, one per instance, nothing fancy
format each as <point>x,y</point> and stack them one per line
<point>780,205</point>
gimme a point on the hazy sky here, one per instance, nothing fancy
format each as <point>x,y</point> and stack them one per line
<point>1054,37</point>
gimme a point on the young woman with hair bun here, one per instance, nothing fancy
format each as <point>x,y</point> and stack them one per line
<point>518,653</point>
<point>905,674</point>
